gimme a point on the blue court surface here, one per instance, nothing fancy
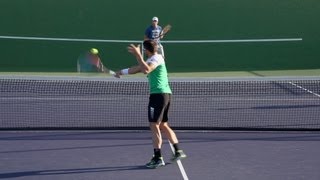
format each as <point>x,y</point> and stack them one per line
<point>121,155</point>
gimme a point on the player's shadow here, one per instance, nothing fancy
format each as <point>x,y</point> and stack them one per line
<point>68,171</point>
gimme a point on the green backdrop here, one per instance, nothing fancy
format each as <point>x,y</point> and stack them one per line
<point>191,20</point>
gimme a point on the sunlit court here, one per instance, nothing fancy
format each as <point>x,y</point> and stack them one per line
<point>77,80</point>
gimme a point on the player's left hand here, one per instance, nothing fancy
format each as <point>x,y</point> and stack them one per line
<point>135,50</point>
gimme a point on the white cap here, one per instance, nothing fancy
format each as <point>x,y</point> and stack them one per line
<point>155,19</point>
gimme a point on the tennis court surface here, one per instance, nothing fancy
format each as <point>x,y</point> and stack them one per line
<point>96,128</point>
<point>101,155</point>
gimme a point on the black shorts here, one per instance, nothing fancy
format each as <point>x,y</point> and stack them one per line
<point>158,107</point>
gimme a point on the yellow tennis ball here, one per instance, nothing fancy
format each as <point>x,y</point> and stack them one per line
<point>94,51</point>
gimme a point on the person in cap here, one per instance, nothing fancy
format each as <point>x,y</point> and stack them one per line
<point>153,33</point>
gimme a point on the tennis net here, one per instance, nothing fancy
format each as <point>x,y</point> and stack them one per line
<point>201,104</point>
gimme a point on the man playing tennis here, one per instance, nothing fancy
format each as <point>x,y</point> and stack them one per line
<point>153,33</point>
<point>159,100</point>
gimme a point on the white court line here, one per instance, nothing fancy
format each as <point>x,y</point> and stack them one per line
<point>183,172</point>
<point>307,90</point>
<point>66,39</point>
<point>140,41</point>
<point>234,40</point>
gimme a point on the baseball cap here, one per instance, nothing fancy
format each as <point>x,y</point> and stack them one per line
<point>155,19</point>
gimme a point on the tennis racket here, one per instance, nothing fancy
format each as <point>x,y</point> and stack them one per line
<point>90,62</point>
<point>164,31</point>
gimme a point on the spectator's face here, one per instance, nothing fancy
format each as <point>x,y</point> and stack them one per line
<point>154,23</point>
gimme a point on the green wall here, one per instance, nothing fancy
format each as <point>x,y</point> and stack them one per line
<point>191,20</point>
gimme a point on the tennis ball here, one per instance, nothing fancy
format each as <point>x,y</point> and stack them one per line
<point>94,51</point>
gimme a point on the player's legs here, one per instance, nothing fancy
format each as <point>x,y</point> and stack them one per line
<point>157,159</point>
<point>156,135</point>
<point>172,137</point>
<point>164,126</point>
<point>156,108</point>
<point>169,133</point>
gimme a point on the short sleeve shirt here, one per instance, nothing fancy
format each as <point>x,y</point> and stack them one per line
<point>158,78</point>
<point>153,33</point>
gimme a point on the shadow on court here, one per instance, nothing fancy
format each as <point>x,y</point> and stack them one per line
<point>68,171</point>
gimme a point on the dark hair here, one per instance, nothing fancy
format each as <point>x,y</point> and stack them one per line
<point>150,45</point>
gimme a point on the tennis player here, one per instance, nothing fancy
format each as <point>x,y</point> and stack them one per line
<point>153,33</point>
<point>159,100</point>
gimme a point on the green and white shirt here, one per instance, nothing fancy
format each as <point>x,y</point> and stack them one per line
<point>158,78</point>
